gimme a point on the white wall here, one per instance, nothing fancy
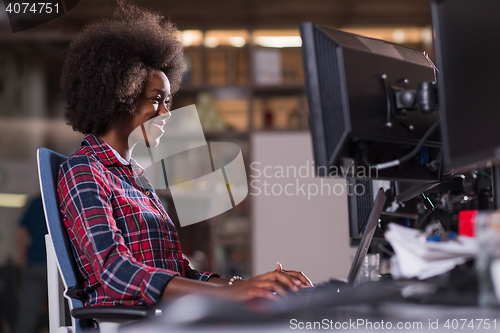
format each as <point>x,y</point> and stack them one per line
<point>304,229</point>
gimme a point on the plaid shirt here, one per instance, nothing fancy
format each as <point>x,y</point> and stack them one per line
<point>125,245</point>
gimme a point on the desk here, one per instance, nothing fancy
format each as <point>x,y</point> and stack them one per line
<point>389,316</point>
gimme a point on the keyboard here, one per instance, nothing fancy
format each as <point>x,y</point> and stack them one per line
<point>330,286</point>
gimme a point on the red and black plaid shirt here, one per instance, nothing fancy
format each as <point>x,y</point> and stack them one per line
<point>125,245</point>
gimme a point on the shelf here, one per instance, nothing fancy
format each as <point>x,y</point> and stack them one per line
<point>235,135</point>
<point>282,90</point>
<point>194,89</point>
<point>237,241</point>
<point>259,90</point>
<point>281,131</point>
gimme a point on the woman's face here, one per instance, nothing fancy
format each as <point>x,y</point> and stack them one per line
<point>151,112</point>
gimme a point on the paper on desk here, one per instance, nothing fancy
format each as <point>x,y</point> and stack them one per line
<point>417,258</point>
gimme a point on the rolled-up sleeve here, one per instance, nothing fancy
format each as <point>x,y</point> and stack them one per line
<point>197,275</point>
<point>85,195</point>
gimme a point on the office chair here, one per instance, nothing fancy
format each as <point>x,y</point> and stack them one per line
<point>60,259</point>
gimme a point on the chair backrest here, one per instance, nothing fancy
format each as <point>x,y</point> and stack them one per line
<point>48,169</point>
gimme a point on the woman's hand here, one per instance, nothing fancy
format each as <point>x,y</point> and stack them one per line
<point>298,275</point>
<point>270,285</point>
<point>261,286</point>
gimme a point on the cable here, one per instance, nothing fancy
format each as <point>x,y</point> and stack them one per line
<point>430,207</point>
<point>420,221</point>
<point>434,164</point>
<point>385,250</point>
<point>408,156</point>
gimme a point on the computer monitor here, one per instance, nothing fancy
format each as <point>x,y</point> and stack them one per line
<point>356,122</point>
<point>467,47</point>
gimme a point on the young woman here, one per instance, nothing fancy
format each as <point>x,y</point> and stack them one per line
<point>119,74</point>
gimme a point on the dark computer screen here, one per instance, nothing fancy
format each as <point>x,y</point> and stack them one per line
<point>359,205</point>
<point>467,47</point>
<point>351,82</point>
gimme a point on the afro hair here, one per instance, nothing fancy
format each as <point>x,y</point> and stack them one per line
<point>107,63</point>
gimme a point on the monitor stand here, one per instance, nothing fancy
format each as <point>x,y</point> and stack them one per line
<point>495,183</point>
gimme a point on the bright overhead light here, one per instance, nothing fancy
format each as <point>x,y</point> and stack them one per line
<point>187,38</point>
<point>191,37</point>
<point>211,42</point>
<point>13,200</point>
<point>236,41</point>
<point>398,36</point>
<point>426,35</point>
<point>279,41</point>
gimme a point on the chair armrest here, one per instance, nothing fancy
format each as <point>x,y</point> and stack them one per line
<point>113,312</point>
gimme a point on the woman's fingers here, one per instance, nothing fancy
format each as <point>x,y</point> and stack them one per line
<point>287,280</point>
<point>303,281</point>
<point>279,267</point>
<point>265,293</point>
<point>283,278</point>
<point>300,276</point>
<point>274,286</point>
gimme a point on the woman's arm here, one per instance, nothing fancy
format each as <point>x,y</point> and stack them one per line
<point>219,280</point>
<point>264,286</point>
<point>305,282</point>
<point>85,195</point>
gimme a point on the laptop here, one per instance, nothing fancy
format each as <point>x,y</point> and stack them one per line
<point>366,240</point>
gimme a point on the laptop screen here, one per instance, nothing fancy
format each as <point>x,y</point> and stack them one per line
<point>367,237</point>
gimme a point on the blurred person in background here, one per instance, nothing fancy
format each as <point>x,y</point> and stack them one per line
<point>32,306</point>
<point>9,287</point>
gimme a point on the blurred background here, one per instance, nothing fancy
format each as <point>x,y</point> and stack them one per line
<point>243,70</point>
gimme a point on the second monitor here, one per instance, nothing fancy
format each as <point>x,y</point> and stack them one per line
<point>370,117</point>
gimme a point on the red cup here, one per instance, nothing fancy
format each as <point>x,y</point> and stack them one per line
<point>467,223</point>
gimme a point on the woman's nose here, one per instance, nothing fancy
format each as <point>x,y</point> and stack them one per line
<point>164,111</point>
